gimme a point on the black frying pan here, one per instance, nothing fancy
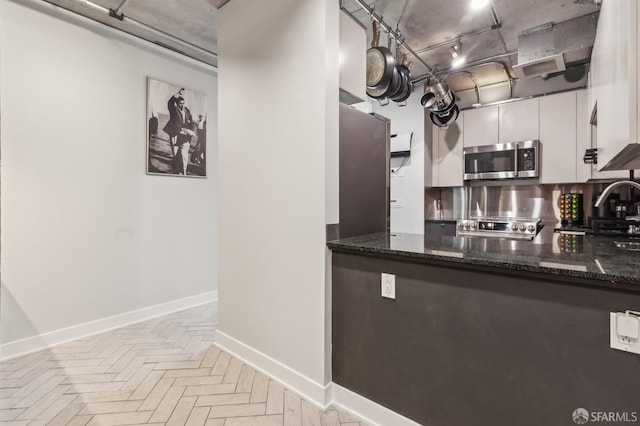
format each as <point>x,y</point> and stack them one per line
<point>407,88</point>
<point>380,63</point>
<point>396,83</point>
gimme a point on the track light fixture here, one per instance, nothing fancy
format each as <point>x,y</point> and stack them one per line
<point>456,55</point>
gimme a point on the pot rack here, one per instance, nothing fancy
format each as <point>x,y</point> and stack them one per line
<point>396,36</point>
<point>431,73</point>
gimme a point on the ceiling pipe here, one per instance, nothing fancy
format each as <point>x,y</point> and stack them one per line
<point>398,38</point>
<point>497,24</point>
<point>444,75</point>
<point>494,15</point>
<point>470,65</point>
<point>118,12</point>
<point>146,27</point>
<point>473,79</point>
<point>449,42</point>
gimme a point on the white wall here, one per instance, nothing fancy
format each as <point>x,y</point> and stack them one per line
<point>85,233</point>
<point>272,183</point>
<point>410,186</point>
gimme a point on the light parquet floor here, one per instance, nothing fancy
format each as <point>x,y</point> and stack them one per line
<point>165,371</point>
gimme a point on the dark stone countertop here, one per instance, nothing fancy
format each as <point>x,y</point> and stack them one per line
<point>574,258</point>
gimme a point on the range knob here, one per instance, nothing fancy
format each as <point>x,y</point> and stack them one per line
<point>489,225</point>
<point>531,228</point>
<point>474,225</point>
<point>467,226</point>
<point>460,225</point>
<point>514,226</point>
<point>523,227</point>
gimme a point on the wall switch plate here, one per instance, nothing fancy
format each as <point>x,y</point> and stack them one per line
<point>624,333</point>
<point>388,286</point>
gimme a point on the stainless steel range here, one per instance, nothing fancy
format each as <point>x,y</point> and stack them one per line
<point>520,228</point>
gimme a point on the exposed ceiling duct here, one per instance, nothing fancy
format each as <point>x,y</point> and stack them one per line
<point>549,48</point>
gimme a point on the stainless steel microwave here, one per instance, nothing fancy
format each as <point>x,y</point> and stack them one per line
<point>502,161</point>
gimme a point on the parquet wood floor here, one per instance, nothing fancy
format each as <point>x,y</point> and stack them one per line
<point>165,371</point>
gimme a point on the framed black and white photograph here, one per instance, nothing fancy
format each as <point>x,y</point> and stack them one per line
<point>176,130</point>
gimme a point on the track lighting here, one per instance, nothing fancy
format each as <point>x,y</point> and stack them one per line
<point>456,55</point>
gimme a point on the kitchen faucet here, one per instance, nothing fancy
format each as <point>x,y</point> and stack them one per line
<point>611,187</point>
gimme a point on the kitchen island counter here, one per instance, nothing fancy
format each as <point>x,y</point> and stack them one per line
<point>583,259</point>
<point>477,320</point>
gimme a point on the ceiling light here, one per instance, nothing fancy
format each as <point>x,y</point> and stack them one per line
<point>456,55</point>
<point>478,4</point>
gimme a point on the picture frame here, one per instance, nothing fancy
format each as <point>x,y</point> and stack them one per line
<point>176,130</point>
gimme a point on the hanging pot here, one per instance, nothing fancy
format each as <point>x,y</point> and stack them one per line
<point>438,98</point>
<point>380,63</point>
<point>445,119</point>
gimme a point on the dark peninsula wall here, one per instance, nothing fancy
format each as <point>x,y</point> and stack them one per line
<point>464,347</point>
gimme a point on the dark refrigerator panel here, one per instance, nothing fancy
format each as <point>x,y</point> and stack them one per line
<point>364,173</point>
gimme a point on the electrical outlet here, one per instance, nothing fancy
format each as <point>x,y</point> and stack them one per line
<point>624,332</point>
<point>388,286</point>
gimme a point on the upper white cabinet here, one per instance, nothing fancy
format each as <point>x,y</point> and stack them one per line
<point>583,135</point>
<point>353,60</point>
<point>481,126</point>
<point>447,153</point>
<point>518,121</point>
<point>614,84</point>
<point>512,122</point>
<point>558,133</point>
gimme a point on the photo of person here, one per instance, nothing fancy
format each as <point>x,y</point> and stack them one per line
<point>176,142</point>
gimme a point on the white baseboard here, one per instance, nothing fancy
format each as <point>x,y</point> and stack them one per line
<point>310,390</point>
<point>322,396</point>
<point>369,411</point>
<point>56,337</point>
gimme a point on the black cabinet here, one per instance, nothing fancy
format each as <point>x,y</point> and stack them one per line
<point>440,227</point>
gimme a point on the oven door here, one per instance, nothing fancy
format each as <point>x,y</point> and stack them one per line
<point>491,162</point>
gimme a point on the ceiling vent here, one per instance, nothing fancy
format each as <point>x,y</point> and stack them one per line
<point>549,48</point>
<point>541,67</point>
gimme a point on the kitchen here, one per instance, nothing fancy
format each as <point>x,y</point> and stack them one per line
<point>528,259</point>
<point>269,247</point>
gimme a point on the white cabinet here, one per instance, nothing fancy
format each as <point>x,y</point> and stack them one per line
<point>558,133</point>
<point>447,154</point>
<point>560,122</point>
<point>614,84</point>
<point>511,122</point>
<point>518,121</point>
<point>481,126</point>
<point>583,135</point>
<point>587,138</point>
<point>353,62</point>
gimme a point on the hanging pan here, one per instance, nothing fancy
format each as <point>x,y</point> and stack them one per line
<point>445,119</point>
<point>407,88</point>
<point>380,63</point>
